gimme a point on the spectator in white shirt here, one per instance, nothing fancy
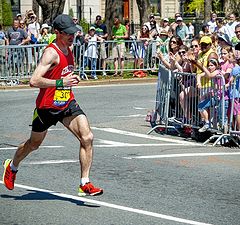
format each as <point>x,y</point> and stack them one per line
<point>221,28</point>
<point>231,26</point>
<point>191,30</point>
<point>212,23</point>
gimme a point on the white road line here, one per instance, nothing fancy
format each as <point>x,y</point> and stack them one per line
<point>184,155</point>
<point>114,206</point>
<point>43,146</point>
<point>127,133</point>
<point>131,116</point>
<point>139,108</point>
<point>112,144</point>
<point>135,145</point>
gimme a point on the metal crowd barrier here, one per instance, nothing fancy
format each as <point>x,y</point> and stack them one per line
<point>177,105</point>
<point>233,133</point>
<point>18,62</point>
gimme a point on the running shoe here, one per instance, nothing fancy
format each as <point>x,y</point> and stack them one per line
<point>9,176</point>
<point>89,189</point>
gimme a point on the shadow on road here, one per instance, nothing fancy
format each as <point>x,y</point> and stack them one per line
<point>41,196</point>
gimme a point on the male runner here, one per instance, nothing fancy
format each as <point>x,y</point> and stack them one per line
<point>55,102</point>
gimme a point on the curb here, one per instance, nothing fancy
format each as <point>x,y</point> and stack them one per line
<point>93,82</point>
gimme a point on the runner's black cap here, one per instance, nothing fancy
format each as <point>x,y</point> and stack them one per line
<point>65,23</point>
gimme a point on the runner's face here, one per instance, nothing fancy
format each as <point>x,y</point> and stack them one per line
<point>66,38</point>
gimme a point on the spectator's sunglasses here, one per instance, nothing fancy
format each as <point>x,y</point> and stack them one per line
<point>194,46</point>
<point>174,42</point>
<point>181,52</point>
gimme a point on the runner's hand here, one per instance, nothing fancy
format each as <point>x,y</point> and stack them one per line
<point>71,80</point>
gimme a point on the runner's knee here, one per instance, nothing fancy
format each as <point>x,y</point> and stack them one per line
<point>87,140</point>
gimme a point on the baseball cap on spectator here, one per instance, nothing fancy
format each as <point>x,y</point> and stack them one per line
<point>65,23</point>
<point>98,17</point>
<point>225,38</point>
<point>19,14</point>
<point>166,19</point>
<point>206,39</point>
<point>92,28</point>
<point>179,18</point>
<point>151,16</point>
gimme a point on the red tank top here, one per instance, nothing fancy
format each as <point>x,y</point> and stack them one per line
<point>52,97</point>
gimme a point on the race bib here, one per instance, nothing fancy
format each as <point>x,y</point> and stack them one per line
<point>61,96</point>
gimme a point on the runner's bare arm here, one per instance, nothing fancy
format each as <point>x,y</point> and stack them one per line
<point>49,59</point>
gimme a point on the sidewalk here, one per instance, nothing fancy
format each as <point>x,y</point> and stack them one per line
<point>96,82</point>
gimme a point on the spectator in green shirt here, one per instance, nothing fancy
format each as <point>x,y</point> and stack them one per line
<point>119,34</point>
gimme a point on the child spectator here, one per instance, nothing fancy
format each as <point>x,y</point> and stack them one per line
<point>208,99</point>
<point>44,34</point>
<point>91,53</point>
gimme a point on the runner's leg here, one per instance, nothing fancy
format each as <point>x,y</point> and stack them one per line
<point>27,147</point>
<point>79,126</point>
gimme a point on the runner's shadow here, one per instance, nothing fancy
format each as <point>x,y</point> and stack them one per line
<point>39,195</point>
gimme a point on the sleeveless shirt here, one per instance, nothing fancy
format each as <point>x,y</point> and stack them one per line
<point>53,97</point>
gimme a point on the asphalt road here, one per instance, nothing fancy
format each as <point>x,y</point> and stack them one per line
<point>147,179</point>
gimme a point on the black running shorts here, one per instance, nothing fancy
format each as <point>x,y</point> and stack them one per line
<point>45,118</point>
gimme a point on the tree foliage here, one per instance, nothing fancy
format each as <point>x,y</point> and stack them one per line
<point>6,16</point>
<point>196,6</point>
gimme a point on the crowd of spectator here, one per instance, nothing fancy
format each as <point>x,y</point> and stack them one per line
<point>213,55</point>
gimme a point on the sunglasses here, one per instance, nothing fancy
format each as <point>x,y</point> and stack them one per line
<point>98,18</point>
<point>174,42</point>
<point>181,52</point>
<point>236,32</point>
<point>204,44</point>
<point>194,46</point>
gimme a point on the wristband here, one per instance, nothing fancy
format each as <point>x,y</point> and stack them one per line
<point>59,83</point>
